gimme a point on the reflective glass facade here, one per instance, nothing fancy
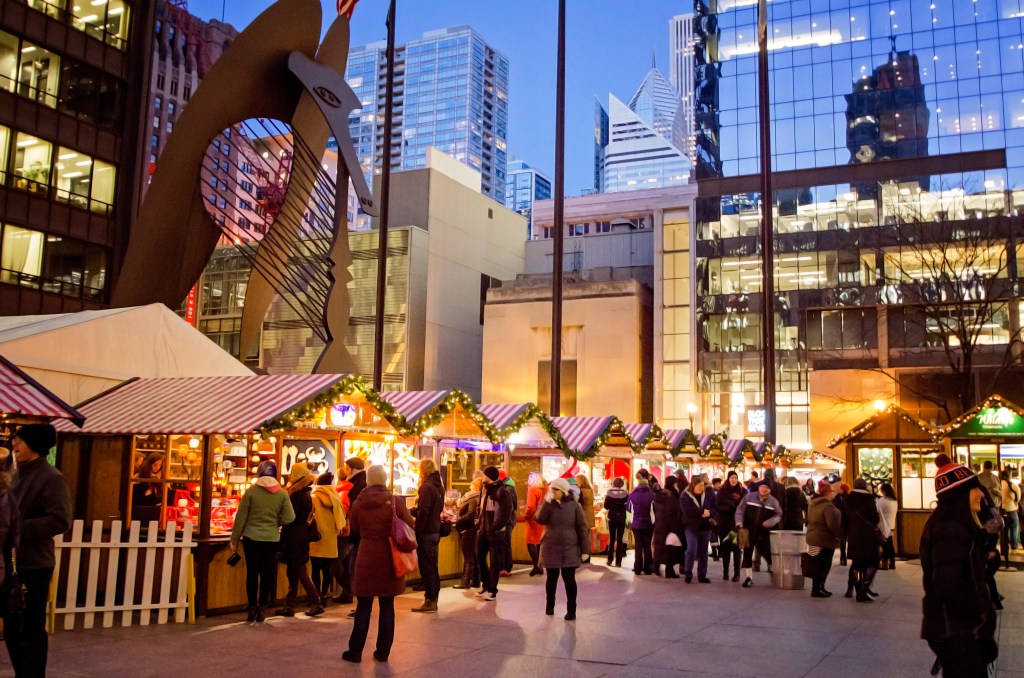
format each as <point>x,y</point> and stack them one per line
<point>451,92</point>
<point>898,146</point>
<point>524,186</point>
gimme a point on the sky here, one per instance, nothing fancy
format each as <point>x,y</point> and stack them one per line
<point>609,47</point>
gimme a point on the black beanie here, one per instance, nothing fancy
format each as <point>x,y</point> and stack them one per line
<point>40,438</point>
<point>492,473</point>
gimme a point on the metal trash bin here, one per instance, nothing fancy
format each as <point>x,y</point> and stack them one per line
<point>787,547</point>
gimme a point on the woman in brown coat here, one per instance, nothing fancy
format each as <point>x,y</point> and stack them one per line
<point>370,518</point>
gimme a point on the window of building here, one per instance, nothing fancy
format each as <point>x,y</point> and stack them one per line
<point>91,95</point>
<point>156,122</point>
<point>108,21</point>
<point>39,74</point>
<point>170,126</point>
<point>52,263</point>
<point>246,186</point>
<point>170,108</point>
<point>222,203</point>
<point>52,8</point>
<point>160,81</point>
<point>188,92</point>
<point>83,181</point>
<point>32,163</point>
<point>245,205</point>
<point>157,103</point>
<point>5,140</point>
<point>174,88</point>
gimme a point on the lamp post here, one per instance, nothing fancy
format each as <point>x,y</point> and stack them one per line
<point>691,409</point>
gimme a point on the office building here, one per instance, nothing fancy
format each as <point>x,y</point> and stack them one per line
<point>897,142</point>
<point>71,83</point>
<point>680,50</point>
<point>525,185</point>
<point>638,145</point>
<point>450,93</point>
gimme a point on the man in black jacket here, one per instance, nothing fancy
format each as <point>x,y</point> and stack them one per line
<point>429,504</point>
<point>495,511</point>
<point>615,503</point>
<point>45,509</point>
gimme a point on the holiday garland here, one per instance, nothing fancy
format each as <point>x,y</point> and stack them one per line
<point>874,420</point>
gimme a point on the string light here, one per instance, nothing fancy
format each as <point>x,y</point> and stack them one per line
<point>873,421</point>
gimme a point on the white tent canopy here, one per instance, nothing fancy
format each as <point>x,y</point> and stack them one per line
<point>77,355</point>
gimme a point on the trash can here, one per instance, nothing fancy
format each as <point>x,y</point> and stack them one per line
<point>787,546</point>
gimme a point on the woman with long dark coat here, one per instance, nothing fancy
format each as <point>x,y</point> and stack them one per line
<point>566,541</point>
<point>668,523</point>
<point>861,524</point>
<point>371,519</point>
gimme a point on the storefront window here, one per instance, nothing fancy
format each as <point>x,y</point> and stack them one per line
<point>1011,458</point>
<point>918,479</point>
<point>874,464</point>
<point>32,163</point>
<point>166,480</point>
<point>403,470</point>
<point>979,454</point>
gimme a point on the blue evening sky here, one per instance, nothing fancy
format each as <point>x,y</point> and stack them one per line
<point>609,49</point>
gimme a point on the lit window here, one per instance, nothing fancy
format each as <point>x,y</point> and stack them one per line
<point>32,163</point>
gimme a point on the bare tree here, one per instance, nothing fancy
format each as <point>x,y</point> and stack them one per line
<point>954,280</point>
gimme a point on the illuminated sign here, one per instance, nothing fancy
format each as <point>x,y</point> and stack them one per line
<point>992,421</point>
<point>190,306</point>
<point>343,415</point>
<point>756,421</point>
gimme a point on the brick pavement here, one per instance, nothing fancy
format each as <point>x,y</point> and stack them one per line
<point>627,626</point>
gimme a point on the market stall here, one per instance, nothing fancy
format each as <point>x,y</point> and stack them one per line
<point>895,447</point>
<point>23,400</point>
<point>652,451</point>
<point>812,465</point>
<point>684,446</point>
<point>185,449</point>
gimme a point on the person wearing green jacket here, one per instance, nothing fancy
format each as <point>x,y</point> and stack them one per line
<point>263,510</point>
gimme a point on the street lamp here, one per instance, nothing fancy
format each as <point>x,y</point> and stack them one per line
<point>692,410</point>
<point>879,405</point>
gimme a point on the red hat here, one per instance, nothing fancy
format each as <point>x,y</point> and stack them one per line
<point>951,479</point>
<point>502,474</point>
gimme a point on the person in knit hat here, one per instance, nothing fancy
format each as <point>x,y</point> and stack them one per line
<point>44,506</point>
<point>294,544</point>
<point>261,513</point>
<point>959,617</point>
<point>496,512</point>
<point>824,530</point>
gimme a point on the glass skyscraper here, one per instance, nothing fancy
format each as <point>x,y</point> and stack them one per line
<point>523,187</point>
<point>451,92</point>
<point>897,132</point>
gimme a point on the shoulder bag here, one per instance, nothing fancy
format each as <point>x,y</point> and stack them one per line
<point>402,557</point>
<point>312,529</point>
<point>875,530</point>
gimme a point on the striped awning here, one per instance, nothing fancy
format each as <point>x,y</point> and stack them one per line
<point>503,416</point>
<point>412,405</point>
<point>22,395</point>
<point>761,448</point>
<point>680,437</point>
<point>639,432</point>
<point>735,447</point>
<point>705,440</point>
<point>200,405</point>
<point>580,433</point>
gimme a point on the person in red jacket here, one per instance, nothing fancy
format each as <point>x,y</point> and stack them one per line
<point>534,530</point>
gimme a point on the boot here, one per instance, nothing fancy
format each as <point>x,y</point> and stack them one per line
<point>850,583</point>
<point>251,617</point>
<point>427,606</point>
<point>570,613</point>
<point>549,607</point>
<point>860,587</point>
<point>670,572</point>
<point>467,576</point>
<point>261,614</point>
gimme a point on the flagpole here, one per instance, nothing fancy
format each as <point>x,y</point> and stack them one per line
<point>385,195</point>
<point>767,226</point>
<point>559,245</point>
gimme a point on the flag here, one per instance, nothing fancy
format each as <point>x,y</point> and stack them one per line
<point>346,7</point>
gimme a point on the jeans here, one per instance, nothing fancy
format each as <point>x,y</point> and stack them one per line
<point>568,575</point>
<point>616,541</point>
<point>385,625</point>
<point>490,555</point>
<point>344,566</point>
<point>1013,529</point>
<point>426,556</point>
<point>25,634</point>
<point>260,570</point>
<point>643,560</point>
<point>322,569</point>
<point>297,573</point>
<point>506,563</point>
<point>697,549</point>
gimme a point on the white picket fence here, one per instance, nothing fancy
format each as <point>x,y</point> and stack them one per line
<point>171,556</point>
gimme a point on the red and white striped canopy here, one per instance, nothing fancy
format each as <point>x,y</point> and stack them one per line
<point>412,405</point>
<point>20,394</point>
<point>639,432</point>
<point>502,416</point>
<point>200,405</point>
<point>580,433</point>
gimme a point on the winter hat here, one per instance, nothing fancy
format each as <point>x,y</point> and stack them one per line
<point>267,468</point>
<point>502,474</point>
<point>300,475</point>
<point>824,486</point>
<point>376,475</point>
<point>560,484</point>
<point>618,482</point>
<point>492,473</point>
<point>642,481</point>
<point>40,438</point>
<point>844,488</point>
<point>762,483</point>
<point>860,484</point>
<point>355,463</point>
<point>953,479</point>
<point>326,478</point>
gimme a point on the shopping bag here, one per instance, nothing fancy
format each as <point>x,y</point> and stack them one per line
<point>402,536</point>
<point>404,562</point>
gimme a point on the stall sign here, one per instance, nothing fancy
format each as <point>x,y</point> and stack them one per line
<point>190,306</point>
<point>756,421</point>
<point>992,421</point>
<point>343,415</point>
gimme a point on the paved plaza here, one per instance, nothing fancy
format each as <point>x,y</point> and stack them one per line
<point>627,626</point>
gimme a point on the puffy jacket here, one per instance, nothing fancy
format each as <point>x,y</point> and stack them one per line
<point>641,500</point>
<point>824,523</point>
<point>567,535</point>
<point>616,503</point>
<point>429,504</point>
<point>44,503</point>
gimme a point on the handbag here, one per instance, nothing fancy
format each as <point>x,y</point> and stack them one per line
<point>312,529</point>
<point>446,528</point>
<point>808,565</point>
<point>673,540</point>
<point>404,563</point>
<point>743,538</point>
<point>402,536</point>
